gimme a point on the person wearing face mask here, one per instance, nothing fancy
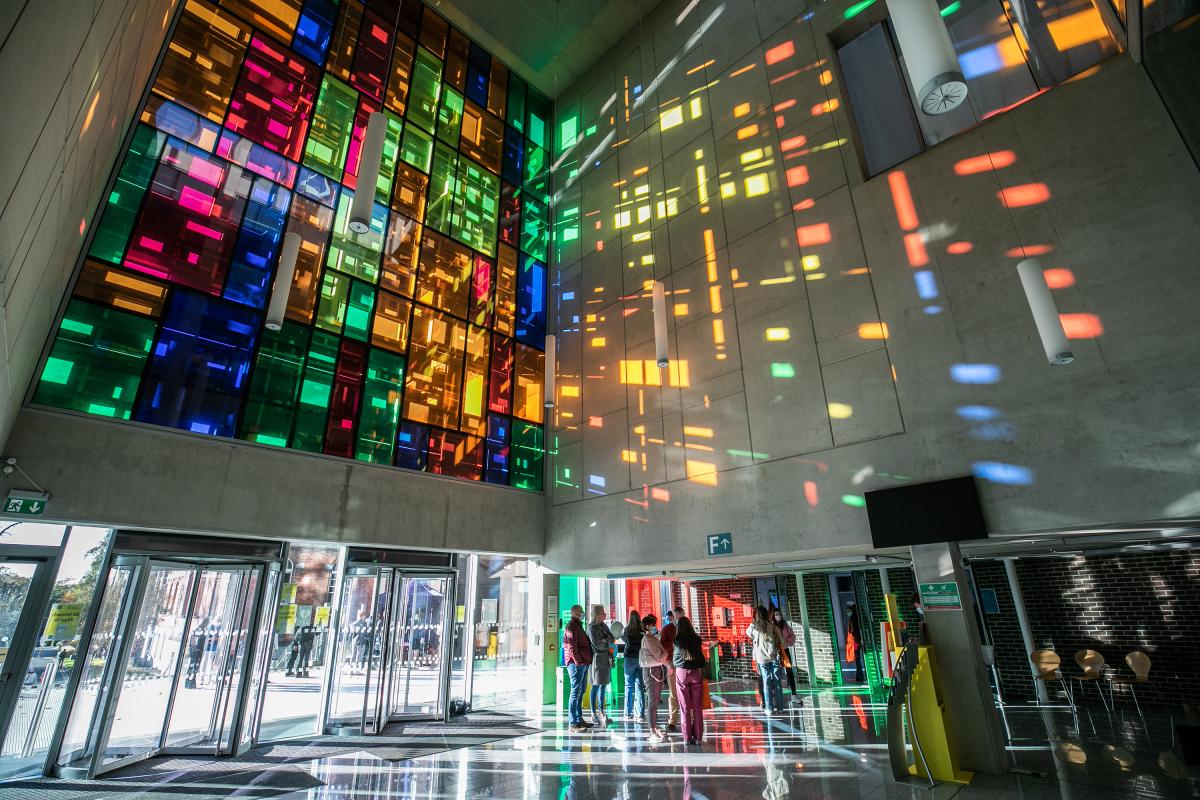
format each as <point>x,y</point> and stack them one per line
<point>789,641</point>
<point>602,662</point>
<point>653,658</point>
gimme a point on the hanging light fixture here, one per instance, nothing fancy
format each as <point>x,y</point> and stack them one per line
<point>658,293</point>
<point>929,55</point>
<point>1045,313</point>
<point>551,357</point>
<point>370,159</point>
<point>283,280</point>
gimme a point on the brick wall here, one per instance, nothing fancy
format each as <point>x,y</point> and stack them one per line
<point>1012,662</point>
<point>821,633</point>
<point>708,599</point>
<point>904,586</point>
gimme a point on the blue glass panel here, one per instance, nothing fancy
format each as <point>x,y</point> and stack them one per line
<point>197,370</point>
<point>477,87</point>
<point>412,446</point>
<point>313,30</point>
<point>258,243</point>
<point>316,186</point>
<point>178,121</point>
<point>531,302</point>
<point>495,465</point>
<point>513,169</point>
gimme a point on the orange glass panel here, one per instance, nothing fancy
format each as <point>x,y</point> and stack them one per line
<point>400,255</point>
<point>313,222</point>
<point>401,76</point>
<point>455,72</point>
<point>276,17</point>
<point>434,30</point>
<point>390,328</point>
<point>341,46</point>
<point>120,289</point>
<point>498,89</point>
<point>408,192</point>
<point>435,362</point>
<point>530,374</point>
<point>445,276</point>
<point>201,63</point>
<point>475,382</point>
<point>506,289</point>
<point>482,136</point>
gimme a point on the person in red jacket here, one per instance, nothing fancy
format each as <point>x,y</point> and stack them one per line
<point>577,655</point>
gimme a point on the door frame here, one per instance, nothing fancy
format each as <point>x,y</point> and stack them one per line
<point>33,611</point>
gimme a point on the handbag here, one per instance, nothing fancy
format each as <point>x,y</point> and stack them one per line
<point>705,696</point>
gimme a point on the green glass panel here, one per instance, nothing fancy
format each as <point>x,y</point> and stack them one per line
<point>441,189</point>
<point>360,304</point>
<point>379,417</point>
<point>568,130</point>
<point>417,148</point>
<point>96,362</point>
<point>123,202</point>
<point>534,228</point>
<point>332,125</point>
<point>314,393</point>
<point>331,310</point>
<point>353,253</point>
<point>475,207</point>
<point>516,102</point>
<point>450,114</point>
<point>567,230</point>
<point>527,455</point>
<point>426,87</point>
<point>537,128</point>
<point>537,174</point>
<point>271,407</point>
<point>387,167</point>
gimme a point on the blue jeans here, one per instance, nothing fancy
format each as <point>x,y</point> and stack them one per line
<point>598,693</point>
<point>578,674</point>
<point>635,689</point>
<point>772,678</point>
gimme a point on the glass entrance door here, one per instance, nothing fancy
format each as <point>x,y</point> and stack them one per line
<point>24,592</point>
<point>418,674</point>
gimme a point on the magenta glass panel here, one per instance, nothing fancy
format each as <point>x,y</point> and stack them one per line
<point>188,224</point>
<point>365,109</point>
<point>256,158</point>
<point>481,292</point>
<point>343,403</point>
<point>510,214</point>
<point>371,58</point>
<point>500,382</point>
<point>274,98</point>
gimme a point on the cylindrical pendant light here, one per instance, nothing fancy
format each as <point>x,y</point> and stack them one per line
<point>283,281</point>
<point>1045,313</point>
<point>929,55</point>
<point>659,295</point>
<point>370,158</point>
<point>551,357</point>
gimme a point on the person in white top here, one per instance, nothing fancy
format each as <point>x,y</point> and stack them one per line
<point>653,660</point>
<point>768,646</point>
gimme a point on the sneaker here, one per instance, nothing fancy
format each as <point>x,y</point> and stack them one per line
<point>672,728</point>
<point>577,728</point>
<point>797,700</point>
<point>657,737</point>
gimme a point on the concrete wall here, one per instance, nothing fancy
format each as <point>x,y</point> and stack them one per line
<point>121,474</point>
<point>788,414</point>
<point>73,73</point>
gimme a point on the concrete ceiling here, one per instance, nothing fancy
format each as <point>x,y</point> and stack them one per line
<point>550,43</point>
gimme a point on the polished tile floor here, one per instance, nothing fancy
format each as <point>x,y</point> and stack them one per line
<point>833,748</point>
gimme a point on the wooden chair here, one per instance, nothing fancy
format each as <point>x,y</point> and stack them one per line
<point>1092,664</point>
<point>1047,663</point>
<point>1139,663</point>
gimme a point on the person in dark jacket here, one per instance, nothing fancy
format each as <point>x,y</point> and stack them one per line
<point>635,686</point>
<point>689,662</point>
<point>668,642</point>
<point>577,655</point>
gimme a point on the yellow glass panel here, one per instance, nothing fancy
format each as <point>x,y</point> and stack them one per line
<point>530,370</point>
<point>312,221</point>
<point>482,136</point>
<point>276,17</point>
<point>445,277</point>
<point>506,289</point>
<point>435,368</point>
<point>345,35</point>
<point>120,289</point>
<point>397,88</point>
<point>408,196</point>
<point>202,61</point>
<point>400,255</point>
<point>474,406</point>
<point>390,328</point>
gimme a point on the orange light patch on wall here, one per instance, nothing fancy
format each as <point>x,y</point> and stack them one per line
<point>988,161</point>
<point>793,142</point>
<point>873,330</point>
<point>959,248</point>
<point>797,176</point>
<point>661,495</point>
<point>741,110</point>
<point>1059,278</point>
<point>596,422</point>
<point>1081,326</point>
<point>1029,251</point>
<point>1026,194</point>
<point>1076,30</point>
<point>914,248</point>
<point>814,235</point>
<point>906,209</point>
<point>784,106</point>
<point>826,77</point>
<point>747,132</point>
<point>702,472</point>
<point>810,494</point>
<point>780,52</point>
<point>827,107</point>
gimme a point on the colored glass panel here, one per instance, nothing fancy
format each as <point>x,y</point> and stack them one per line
<point>512,167</point>
<point>313,407</point>
<point>277,17</point>
<point>510,215</point>
<point>506,289</point>
<point>529,369</point>
<point>412,446</point>
<point>314,29</point>
<point>353,253</point>
<point>477,85</point>
<point>96,361</point>
<point>198,367</point>
<point>537,174</point>
<point>273,99</point>
<point>535,227</point>
<point>331,310</point>
<point>475,382</point>
<point>538,108</point>
<point>401,74</point>
<point>482,136</point>
<point>120,289</point>
<point>441,189</point>
<point>417,148</point>
<point>445,274</point>
<point>435,367</point>
<point>455,454</point>
<point>345,34</point>
<point>516,102</point>
<point>456,59</point>
<point>344,399</point>
<point>495,465</point>
<point>500,383</point>
<point>189,219</point>
<point>313,222</point>
<point>201,63</point>
<point>390,328</point>
<point>120,209</point>
<point>258,244</point>
<point>434,30</point>
<point>531,302</point>
<point>528,454</point>
<point>316,186</point>
<point>379,419</point>
<point>371,58</point>
<point>180,122</point>
<point>482,299</point>
<point>275,386</point>
<point>258,159</point>
<point>450,113</point>
<point>497,102</point>
<point>409,194</point>
<point>332,128</point>
<point>476,206</point>
<point>400,255</point>
<point>426,87</point>
<point>357,133</point>
<point>359,307</point>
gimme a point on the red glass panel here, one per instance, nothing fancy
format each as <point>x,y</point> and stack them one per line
<point>481,292</point>
<point>371,57</point>
<point>365,109</point>
<point>510,215</point>
<point>500,384</point>
<point>343,403</point>
<point>274,98</point>
<point>455,454</point>
<point>188,224</point>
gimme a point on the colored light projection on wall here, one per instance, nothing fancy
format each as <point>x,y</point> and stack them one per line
<point>416,344</point>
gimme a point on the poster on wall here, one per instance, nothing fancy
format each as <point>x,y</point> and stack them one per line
<point>488,610</point>
<point>321,617</point>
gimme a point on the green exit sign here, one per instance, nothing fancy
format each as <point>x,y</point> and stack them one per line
<point>26,504</point>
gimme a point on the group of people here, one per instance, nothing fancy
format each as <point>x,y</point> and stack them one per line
<point>671,659</point>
